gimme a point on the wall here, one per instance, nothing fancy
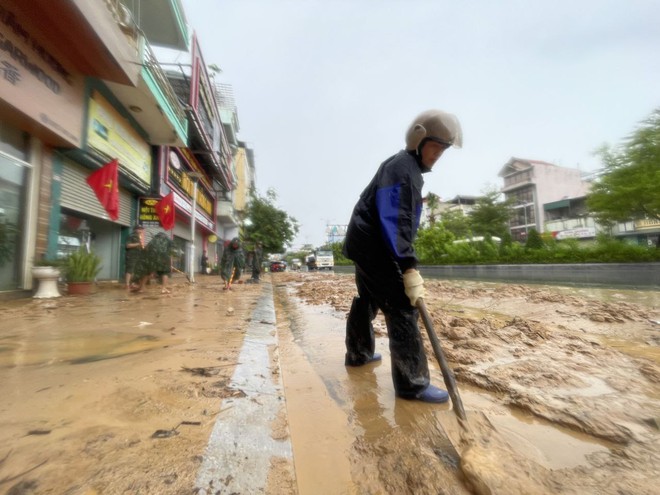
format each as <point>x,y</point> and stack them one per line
<point>642,275</point>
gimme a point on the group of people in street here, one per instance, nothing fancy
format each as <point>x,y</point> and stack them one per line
<point>154,259</point>
<point>234,262</point>
<point>146,261</point>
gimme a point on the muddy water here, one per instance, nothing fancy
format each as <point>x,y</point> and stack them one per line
<point>648,297</point>
<point>92,332</point>
<point>349,434</point>
<point>60,346</point>
<point>86,382</point>
<point>565,377</point>
<point>362,420</point>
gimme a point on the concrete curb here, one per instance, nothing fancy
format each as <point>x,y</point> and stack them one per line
<point>625,275</point>
<point>240,449</point>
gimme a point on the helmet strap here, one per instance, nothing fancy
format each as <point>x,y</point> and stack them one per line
<point>420,146</point>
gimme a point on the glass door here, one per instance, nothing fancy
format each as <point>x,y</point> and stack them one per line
<point>13,180</point>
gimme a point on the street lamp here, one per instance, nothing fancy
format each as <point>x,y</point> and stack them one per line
<point>194,177</point>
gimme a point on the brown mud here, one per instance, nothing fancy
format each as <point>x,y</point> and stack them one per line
<point>578,364</point>
<point>117,393</point>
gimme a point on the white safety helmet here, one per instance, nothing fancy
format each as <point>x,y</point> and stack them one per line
<point>436,125</point>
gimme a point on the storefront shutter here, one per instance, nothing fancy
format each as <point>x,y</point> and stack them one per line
<point>78,196</point>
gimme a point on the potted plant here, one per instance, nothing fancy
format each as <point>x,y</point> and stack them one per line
<point>47,272</point>
<point>81,269</point>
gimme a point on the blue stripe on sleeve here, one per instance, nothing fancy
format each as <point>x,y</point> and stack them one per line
<point>388,202</point>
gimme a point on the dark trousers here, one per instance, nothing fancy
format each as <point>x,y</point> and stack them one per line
<point>380,286</point>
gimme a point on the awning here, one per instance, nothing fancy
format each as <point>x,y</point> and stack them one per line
<point>555,205</point>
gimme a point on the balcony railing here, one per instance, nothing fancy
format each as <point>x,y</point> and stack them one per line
<point>158,75</point>
<point>569,223</point>
<point>647,223</point>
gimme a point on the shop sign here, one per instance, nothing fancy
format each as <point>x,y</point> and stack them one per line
<point>576,233</point>
<point>178,178</point>
<point>183,204</point>
<point>111,134</point>
<point>647,224</point>
<point>148,217</point>
<point>147,214</point>
<point>35,80</point>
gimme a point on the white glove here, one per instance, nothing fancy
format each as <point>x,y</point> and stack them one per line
<point>414,285</point>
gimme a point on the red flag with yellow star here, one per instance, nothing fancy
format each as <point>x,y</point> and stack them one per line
<point>105,184</point>
<point>165,210</point>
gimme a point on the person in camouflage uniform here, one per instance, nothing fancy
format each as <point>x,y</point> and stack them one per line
<point>255,262</point>
<point>157,260</point>
<point>232,263</point>
<point>134,250</point>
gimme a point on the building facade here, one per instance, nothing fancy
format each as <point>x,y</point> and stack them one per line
<point>570,219</point>
<point>530,184</point>
<point>81,86</point>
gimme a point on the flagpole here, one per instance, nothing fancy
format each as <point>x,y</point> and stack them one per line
<point>194,176</point>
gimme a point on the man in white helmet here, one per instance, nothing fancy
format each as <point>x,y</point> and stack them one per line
<point>379,240</point>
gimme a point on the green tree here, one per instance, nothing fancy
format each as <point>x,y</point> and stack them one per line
<point>432,203</point>
<point>431,244</point>
<point>630,186</point>
<point>534,240</point>
<point>490,216</point>
<point>268,224</point>
<point>456,222</point>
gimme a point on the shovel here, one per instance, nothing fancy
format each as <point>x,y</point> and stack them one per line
<point>179,271</point>
<point>486,459</point>
<point>447,373</point>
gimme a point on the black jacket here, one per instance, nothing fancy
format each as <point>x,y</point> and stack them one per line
<point>385,220</point>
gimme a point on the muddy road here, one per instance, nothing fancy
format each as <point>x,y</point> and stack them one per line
<point>120,393</point>
<point>568,378</point>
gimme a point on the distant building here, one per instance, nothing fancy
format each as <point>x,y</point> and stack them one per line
<point>461,203</point>
<point>570,219</point>
<point>553,199</point>
<point>531,184</point>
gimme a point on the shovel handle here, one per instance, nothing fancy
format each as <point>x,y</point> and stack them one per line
<point>447,373</point>
<point>179,271</point>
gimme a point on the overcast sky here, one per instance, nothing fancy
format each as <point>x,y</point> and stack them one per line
<point>326,89</point>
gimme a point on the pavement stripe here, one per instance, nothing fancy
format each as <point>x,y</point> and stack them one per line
<point>240,448</point>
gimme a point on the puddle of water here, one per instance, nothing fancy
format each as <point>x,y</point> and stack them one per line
<point>632,348</point>
<point>320,453</point>
<point>74,348</point>
<point>649,298</point>
<point>550,445</point>
<point>368,438</point>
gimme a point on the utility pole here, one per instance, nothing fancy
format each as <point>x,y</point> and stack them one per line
<point>194,177</point>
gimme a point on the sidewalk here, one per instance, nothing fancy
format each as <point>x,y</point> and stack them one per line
<point>243,448</point>
<point>120,393</point>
